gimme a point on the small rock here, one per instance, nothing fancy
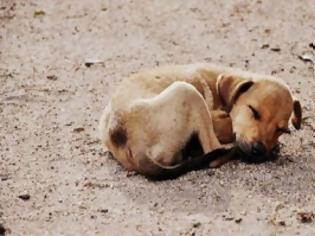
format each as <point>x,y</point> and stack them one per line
<point>4,177</point>
<point>2,230</point>
<point>306,217</point>
<point>39,13</point>
<point>275,49</point>
<point>312,45</point>
<point>264,46</point>
<point>197,224</point>
<point>239,220</point>
<point>52,77</point>
<point>103,210</point>
<point>25,196</point>
<point>78,130</point>
<point>307,57</point>
<point>282,223</point>
<point>89,63</point>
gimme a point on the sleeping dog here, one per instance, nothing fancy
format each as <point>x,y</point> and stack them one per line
<point>154,115</point>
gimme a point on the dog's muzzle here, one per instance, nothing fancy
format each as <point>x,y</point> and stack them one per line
<point>256,152</point>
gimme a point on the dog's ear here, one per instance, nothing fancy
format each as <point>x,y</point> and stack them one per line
<point>297,114</point>
<point>229,89</point>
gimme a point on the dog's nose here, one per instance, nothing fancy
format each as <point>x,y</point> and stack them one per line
<point>258,149</point>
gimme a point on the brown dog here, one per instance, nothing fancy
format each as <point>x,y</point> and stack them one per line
<point>154,114</point>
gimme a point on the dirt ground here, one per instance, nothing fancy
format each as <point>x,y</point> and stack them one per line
<point>55,178</point>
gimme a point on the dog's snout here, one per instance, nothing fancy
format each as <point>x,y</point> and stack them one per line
<point>258,149</point>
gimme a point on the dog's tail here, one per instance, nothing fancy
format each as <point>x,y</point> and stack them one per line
<point>156,171</point>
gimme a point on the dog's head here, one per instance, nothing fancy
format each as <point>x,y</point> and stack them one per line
<point>260,111</point>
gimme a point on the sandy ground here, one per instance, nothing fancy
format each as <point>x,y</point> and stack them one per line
<point>50,103</point>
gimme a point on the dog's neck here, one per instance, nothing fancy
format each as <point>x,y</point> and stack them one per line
<point>205,83</point>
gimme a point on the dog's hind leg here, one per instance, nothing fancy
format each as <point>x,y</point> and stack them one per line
<point>173,117</point>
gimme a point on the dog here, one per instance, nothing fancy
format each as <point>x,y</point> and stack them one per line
<point>154,115</point>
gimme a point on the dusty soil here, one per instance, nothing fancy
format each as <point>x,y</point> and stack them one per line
<point>55,179</point>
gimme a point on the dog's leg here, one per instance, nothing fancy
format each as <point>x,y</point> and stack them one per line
<point>177,113</point>
<point>222,124</point>
<point>203,121</point>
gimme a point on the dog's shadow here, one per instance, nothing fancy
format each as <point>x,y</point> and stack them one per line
<point>192,193</point>
<point>202,191</point>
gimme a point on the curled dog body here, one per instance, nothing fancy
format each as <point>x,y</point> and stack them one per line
<point>153,114</point>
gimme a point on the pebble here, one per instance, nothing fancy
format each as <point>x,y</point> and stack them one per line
<point>24,196</point>
<point>2,230</point>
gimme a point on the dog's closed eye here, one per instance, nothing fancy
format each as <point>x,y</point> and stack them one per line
<point>256,114</point>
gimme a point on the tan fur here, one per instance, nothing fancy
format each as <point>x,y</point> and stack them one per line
<point>153,113</point>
